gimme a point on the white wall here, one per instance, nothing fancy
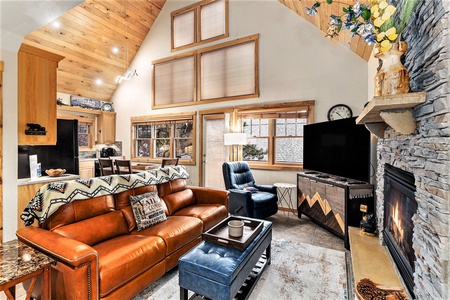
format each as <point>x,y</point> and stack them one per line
<point>296,63</point>
<point>9,143</point>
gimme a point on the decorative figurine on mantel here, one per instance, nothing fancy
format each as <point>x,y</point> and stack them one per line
<point>367,224</point>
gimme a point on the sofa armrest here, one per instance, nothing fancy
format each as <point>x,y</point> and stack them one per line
<point>266,188</point>
<point>60,248</point>
<point>205,195</point>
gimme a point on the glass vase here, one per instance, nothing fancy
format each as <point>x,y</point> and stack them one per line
<point>392,77</point>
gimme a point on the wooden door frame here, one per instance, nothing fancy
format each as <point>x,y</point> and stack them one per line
<point>1,151</point>
<point>201,124</point>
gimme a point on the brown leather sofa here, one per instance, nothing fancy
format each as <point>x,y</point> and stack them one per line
<point>101,255</point>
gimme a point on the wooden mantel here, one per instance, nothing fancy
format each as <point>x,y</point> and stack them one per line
<point>393,110</point>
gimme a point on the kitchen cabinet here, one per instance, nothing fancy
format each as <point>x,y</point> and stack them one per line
<point>87,169</point>
<point>37,94</point>
<point>24,194</point>
<point>26,190</point>
<point>106,128</point>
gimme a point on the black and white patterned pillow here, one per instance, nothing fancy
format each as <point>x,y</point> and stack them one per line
<point>147,209</point>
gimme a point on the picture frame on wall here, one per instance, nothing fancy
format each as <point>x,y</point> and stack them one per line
<point>85,102</point>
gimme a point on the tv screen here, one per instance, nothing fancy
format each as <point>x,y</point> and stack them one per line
<point>339,148</point>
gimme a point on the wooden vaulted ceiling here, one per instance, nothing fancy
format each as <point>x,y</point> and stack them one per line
<point>87,34</point>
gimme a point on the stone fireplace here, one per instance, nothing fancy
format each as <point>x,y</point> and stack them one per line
<point>426,153</point>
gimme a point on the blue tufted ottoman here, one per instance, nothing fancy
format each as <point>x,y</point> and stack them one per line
<point>218,272</point>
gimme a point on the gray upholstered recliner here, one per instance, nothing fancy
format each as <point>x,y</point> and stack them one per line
<point>246,197</point>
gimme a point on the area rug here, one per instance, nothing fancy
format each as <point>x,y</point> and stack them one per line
<point>297,271</point>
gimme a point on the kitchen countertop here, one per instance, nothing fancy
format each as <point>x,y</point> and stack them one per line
<point>87,159</point>
<point>47,179</point>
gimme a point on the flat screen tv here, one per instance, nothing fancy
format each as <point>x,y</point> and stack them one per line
<point>339,148</point>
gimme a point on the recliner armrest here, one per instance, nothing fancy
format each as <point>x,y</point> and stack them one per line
<point>240,202</point>
<point>266,188</point>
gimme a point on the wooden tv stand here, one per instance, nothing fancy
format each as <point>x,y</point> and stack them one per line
<point>333,202</point>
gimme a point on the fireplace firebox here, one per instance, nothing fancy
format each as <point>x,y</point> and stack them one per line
<point>399,208</point>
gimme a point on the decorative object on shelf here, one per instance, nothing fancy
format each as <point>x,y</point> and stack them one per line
<point>35,129</point>
<point>339,111</point>
<point>85,102</point>
<point>107,107</point>
<point>55,172</point>
<point>368,224</point>
<point>60,102</point>
<point>377,25</point>
<point>392,78</point>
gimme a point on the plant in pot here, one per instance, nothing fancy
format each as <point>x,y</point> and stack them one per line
<point>378,22</point>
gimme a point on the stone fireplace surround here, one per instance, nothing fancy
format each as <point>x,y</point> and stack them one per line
<point>426,153</point>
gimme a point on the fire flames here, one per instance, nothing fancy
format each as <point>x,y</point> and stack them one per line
<point>397,229</point>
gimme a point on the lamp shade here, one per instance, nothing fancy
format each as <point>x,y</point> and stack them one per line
<point>234,138</point>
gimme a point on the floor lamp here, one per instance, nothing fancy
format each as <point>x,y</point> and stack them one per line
<point>234,139</point>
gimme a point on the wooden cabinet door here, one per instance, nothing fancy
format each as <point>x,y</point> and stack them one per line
<point>107,128</point>
<point>37,94</point>
<point>87,169</point>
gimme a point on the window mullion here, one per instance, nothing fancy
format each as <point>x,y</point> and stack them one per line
<point>271,147</point>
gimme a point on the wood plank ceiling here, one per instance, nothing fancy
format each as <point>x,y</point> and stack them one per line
<point>86,37</point>
<point>87,34</point>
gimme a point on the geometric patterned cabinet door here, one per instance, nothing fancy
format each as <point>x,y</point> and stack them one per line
<point>333,202</point>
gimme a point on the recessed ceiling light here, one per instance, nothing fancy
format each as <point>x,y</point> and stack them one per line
<point>99,82</point>
<point>56,24</point>
<point>115,50</point>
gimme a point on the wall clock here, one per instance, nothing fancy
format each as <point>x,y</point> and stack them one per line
<point>339,111</point>
<point>107,107</point>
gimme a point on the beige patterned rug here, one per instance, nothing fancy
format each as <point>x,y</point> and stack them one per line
<point>298,271</point>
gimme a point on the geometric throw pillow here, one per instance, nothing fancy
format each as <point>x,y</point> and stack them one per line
<point>147,210</point>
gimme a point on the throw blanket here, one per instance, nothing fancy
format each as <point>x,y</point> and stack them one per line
<point>53,195</point>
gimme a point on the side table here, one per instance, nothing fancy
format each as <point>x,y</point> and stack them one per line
<point>284,191</point>
<point>20,262</point>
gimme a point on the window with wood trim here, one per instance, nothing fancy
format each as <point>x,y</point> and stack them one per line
<point>174,82</point>
<point>199,23</point>
<point>275,134</point>
<point>227,71</point>
<point>163,137</point>
<point>85,136</point>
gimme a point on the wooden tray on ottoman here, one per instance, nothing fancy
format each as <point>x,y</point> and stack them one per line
<point>219,233</point>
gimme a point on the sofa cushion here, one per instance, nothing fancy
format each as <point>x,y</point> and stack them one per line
<point>79,210</point>
<point>147,210</point>
<point>178,200</point>
<point>176,231</point>
<point>124,258</point>
<point>97,229</point>
<point>210,214</point>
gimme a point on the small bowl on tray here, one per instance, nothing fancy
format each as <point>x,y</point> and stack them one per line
<point>55,172</point>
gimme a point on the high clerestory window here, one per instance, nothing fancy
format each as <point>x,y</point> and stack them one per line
<point>199,23</point>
